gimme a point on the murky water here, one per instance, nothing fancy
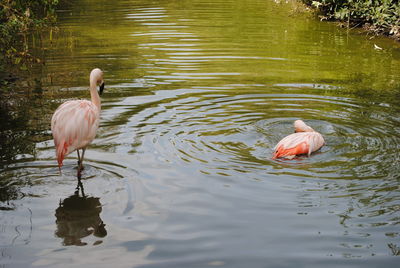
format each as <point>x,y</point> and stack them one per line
<point>180,175</point>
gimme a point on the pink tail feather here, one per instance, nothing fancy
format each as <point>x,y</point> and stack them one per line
<point>301,148</point>
<point>62,149</point>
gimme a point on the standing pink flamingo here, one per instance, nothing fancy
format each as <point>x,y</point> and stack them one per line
<point>74,124</point>
<point>305,141</point>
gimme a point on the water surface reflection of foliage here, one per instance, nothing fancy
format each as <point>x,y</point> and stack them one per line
<point>24,121</point>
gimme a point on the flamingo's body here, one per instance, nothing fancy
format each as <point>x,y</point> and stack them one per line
<point>305,141</point>
<point>74,124</point>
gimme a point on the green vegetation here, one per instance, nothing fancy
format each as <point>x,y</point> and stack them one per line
<point>379,16</point>
<point>17,19</point>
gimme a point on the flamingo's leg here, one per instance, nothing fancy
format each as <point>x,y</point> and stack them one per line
<point>79,157</point>
<point>81,160</point>
<point>80,185</point>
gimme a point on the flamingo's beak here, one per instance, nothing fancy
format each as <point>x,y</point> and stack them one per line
<point>101,88</point>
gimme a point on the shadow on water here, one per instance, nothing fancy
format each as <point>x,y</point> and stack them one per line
<point>77,217</point>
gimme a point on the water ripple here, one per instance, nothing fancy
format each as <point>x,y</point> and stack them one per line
<point>210,127</point>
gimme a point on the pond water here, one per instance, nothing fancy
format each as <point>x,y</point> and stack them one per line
<point>180,174</point>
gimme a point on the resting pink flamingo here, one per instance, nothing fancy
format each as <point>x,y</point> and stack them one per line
<point>305,141</point>
<point>74,124</point>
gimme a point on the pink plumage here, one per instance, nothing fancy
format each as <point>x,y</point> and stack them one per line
<point>305,141</point>
<point>74,124</point>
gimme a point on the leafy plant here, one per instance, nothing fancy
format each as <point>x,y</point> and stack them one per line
<point>17,19</point>
<point>383,15</point>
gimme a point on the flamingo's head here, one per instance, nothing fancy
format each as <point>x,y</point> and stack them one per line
<point>96,78</point>
<point>300,126</point>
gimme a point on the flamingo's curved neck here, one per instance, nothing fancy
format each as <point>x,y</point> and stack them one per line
<point>300,126</point>
<point>94,95</point>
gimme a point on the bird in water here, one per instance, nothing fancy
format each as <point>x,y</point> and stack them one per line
<point>74,124</point>
<point>305,140</point>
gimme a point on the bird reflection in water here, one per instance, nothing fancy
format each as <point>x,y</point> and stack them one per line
<point>77,217</point>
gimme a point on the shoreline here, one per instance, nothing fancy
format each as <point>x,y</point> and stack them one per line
<point>379,20</point>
